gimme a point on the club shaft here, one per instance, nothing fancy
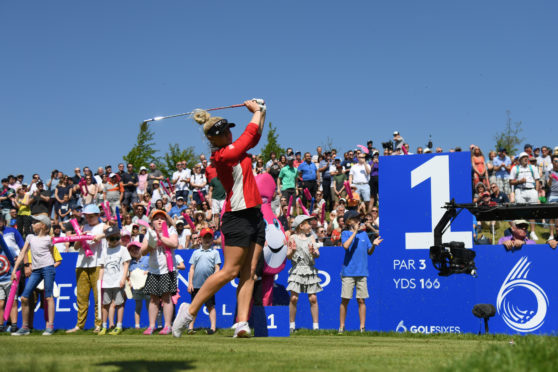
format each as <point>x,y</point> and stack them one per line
<point>190,113</point>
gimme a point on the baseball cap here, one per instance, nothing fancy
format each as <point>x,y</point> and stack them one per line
<point>523,154</point>
<point>219,127</point>
<point>206,231</point>
<point>134,244</point>
<point>112,231</point>
<point>179,198</point>
<point>343,200</point>
<point>158,211</point>
<point>290,158</point>
<point>395,133</point>
<point>112,175</point>
<point>42,218</point>
<point>351,214</point>
<point>520,222</point>
<point>91,209</point>
<point>427,150</point>
<point>179,222</point>
<point>527,145</point>
<point>300,219</point>
<point>143,168</point>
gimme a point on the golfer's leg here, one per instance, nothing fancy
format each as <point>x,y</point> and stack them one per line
<point>246,282</point>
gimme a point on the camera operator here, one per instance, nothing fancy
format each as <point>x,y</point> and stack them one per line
<point>398,141</point>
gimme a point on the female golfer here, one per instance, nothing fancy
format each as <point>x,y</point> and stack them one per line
<point>242,226</point>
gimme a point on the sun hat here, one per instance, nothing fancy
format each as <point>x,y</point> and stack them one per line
<point>42,218</point>
<point>300,219</point>
<point>91,209</point>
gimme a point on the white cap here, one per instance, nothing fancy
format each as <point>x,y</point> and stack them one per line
<point>112,175</point>
<point>523,154</point>
<point>395,133</point>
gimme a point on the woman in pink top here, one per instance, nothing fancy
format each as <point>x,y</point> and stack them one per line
<point>478,162</point>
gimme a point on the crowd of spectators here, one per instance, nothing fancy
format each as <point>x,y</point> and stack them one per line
<point>194,200</point>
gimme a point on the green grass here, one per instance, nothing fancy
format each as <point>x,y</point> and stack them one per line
<point>306,350</point>
<point>529,353</point>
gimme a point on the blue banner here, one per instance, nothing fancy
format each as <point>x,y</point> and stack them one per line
<point>406,294</point>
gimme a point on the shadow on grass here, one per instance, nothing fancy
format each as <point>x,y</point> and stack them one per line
<point>148,365</point>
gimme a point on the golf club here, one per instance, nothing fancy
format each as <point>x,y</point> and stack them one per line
<point>157,118</point>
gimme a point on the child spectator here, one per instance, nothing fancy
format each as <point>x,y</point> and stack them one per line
<point>160,283</point>
<point>87,267</point>
<point>114,263</point>
<point>64,210</point>
<point>139,266</point>
<point>41,248</point>
<point>303,276</point>
<point>355,267</point>
<point>204,263</point>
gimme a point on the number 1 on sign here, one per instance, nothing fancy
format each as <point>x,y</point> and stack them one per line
<point>272,324</point>
<point>437,170</point>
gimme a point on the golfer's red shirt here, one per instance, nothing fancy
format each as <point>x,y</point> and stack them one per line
<point>234,169</point>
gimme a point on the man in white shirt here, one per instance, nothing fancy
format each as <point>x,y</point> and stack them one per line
<point>526,180</point>
<point>181,180</point>
<point>359,176</point>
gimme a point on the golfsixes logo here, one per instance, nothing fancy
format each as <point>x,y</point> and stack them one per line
<point>522,303</point>
<point>426,329</point>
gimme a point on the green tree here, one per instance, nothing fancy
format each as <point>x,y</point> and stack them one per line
<point>143,151</point>
<point>272,144</point>
<point>174,155</point>
<point>509,138</point>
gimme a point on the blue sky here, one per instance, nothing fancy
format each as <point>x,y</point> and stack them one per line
<point>78,77</point>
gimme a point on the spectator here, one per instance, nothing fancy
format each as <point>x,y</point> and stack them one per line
<point>355,268</point>
<point>325,167</point>
<point>525,178</point>
<point>113,192</point>
<point>398,141</point>
<point>498,196</point>
<point>87,268</point>
<point>359,177</point>
<point>139,266</point>
<point>478,162</point>
<point>142,182</point>
<point>490,167</point>
<point>303,275</point>
<point>198,181</point>
<point>298,160</point>
<point>22,203</point>
<point>309,173</point>
<point>480,189</point>
<point>518,236</point>
<point>181,180</point>
<point>64,210</point>
<point>7,195</point>
<point>161,283</point>
<point>338,183</point>
<point>157,193</point>
<point>216,197</point>
<point>154,175</point>
<point>92,191</point>
<point>40,245</point>
<point>553,196</point>
<point>177,210</point>
<point>502,166</point>
<point>61,189</point>
<point>77,176</point>
<point>130,182</point>
<point>204,262</point>
<point>114,262</point>
<point>286,182</point>
<point>183,235</point>
<point>259,167</point>
<point>374,172</point>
